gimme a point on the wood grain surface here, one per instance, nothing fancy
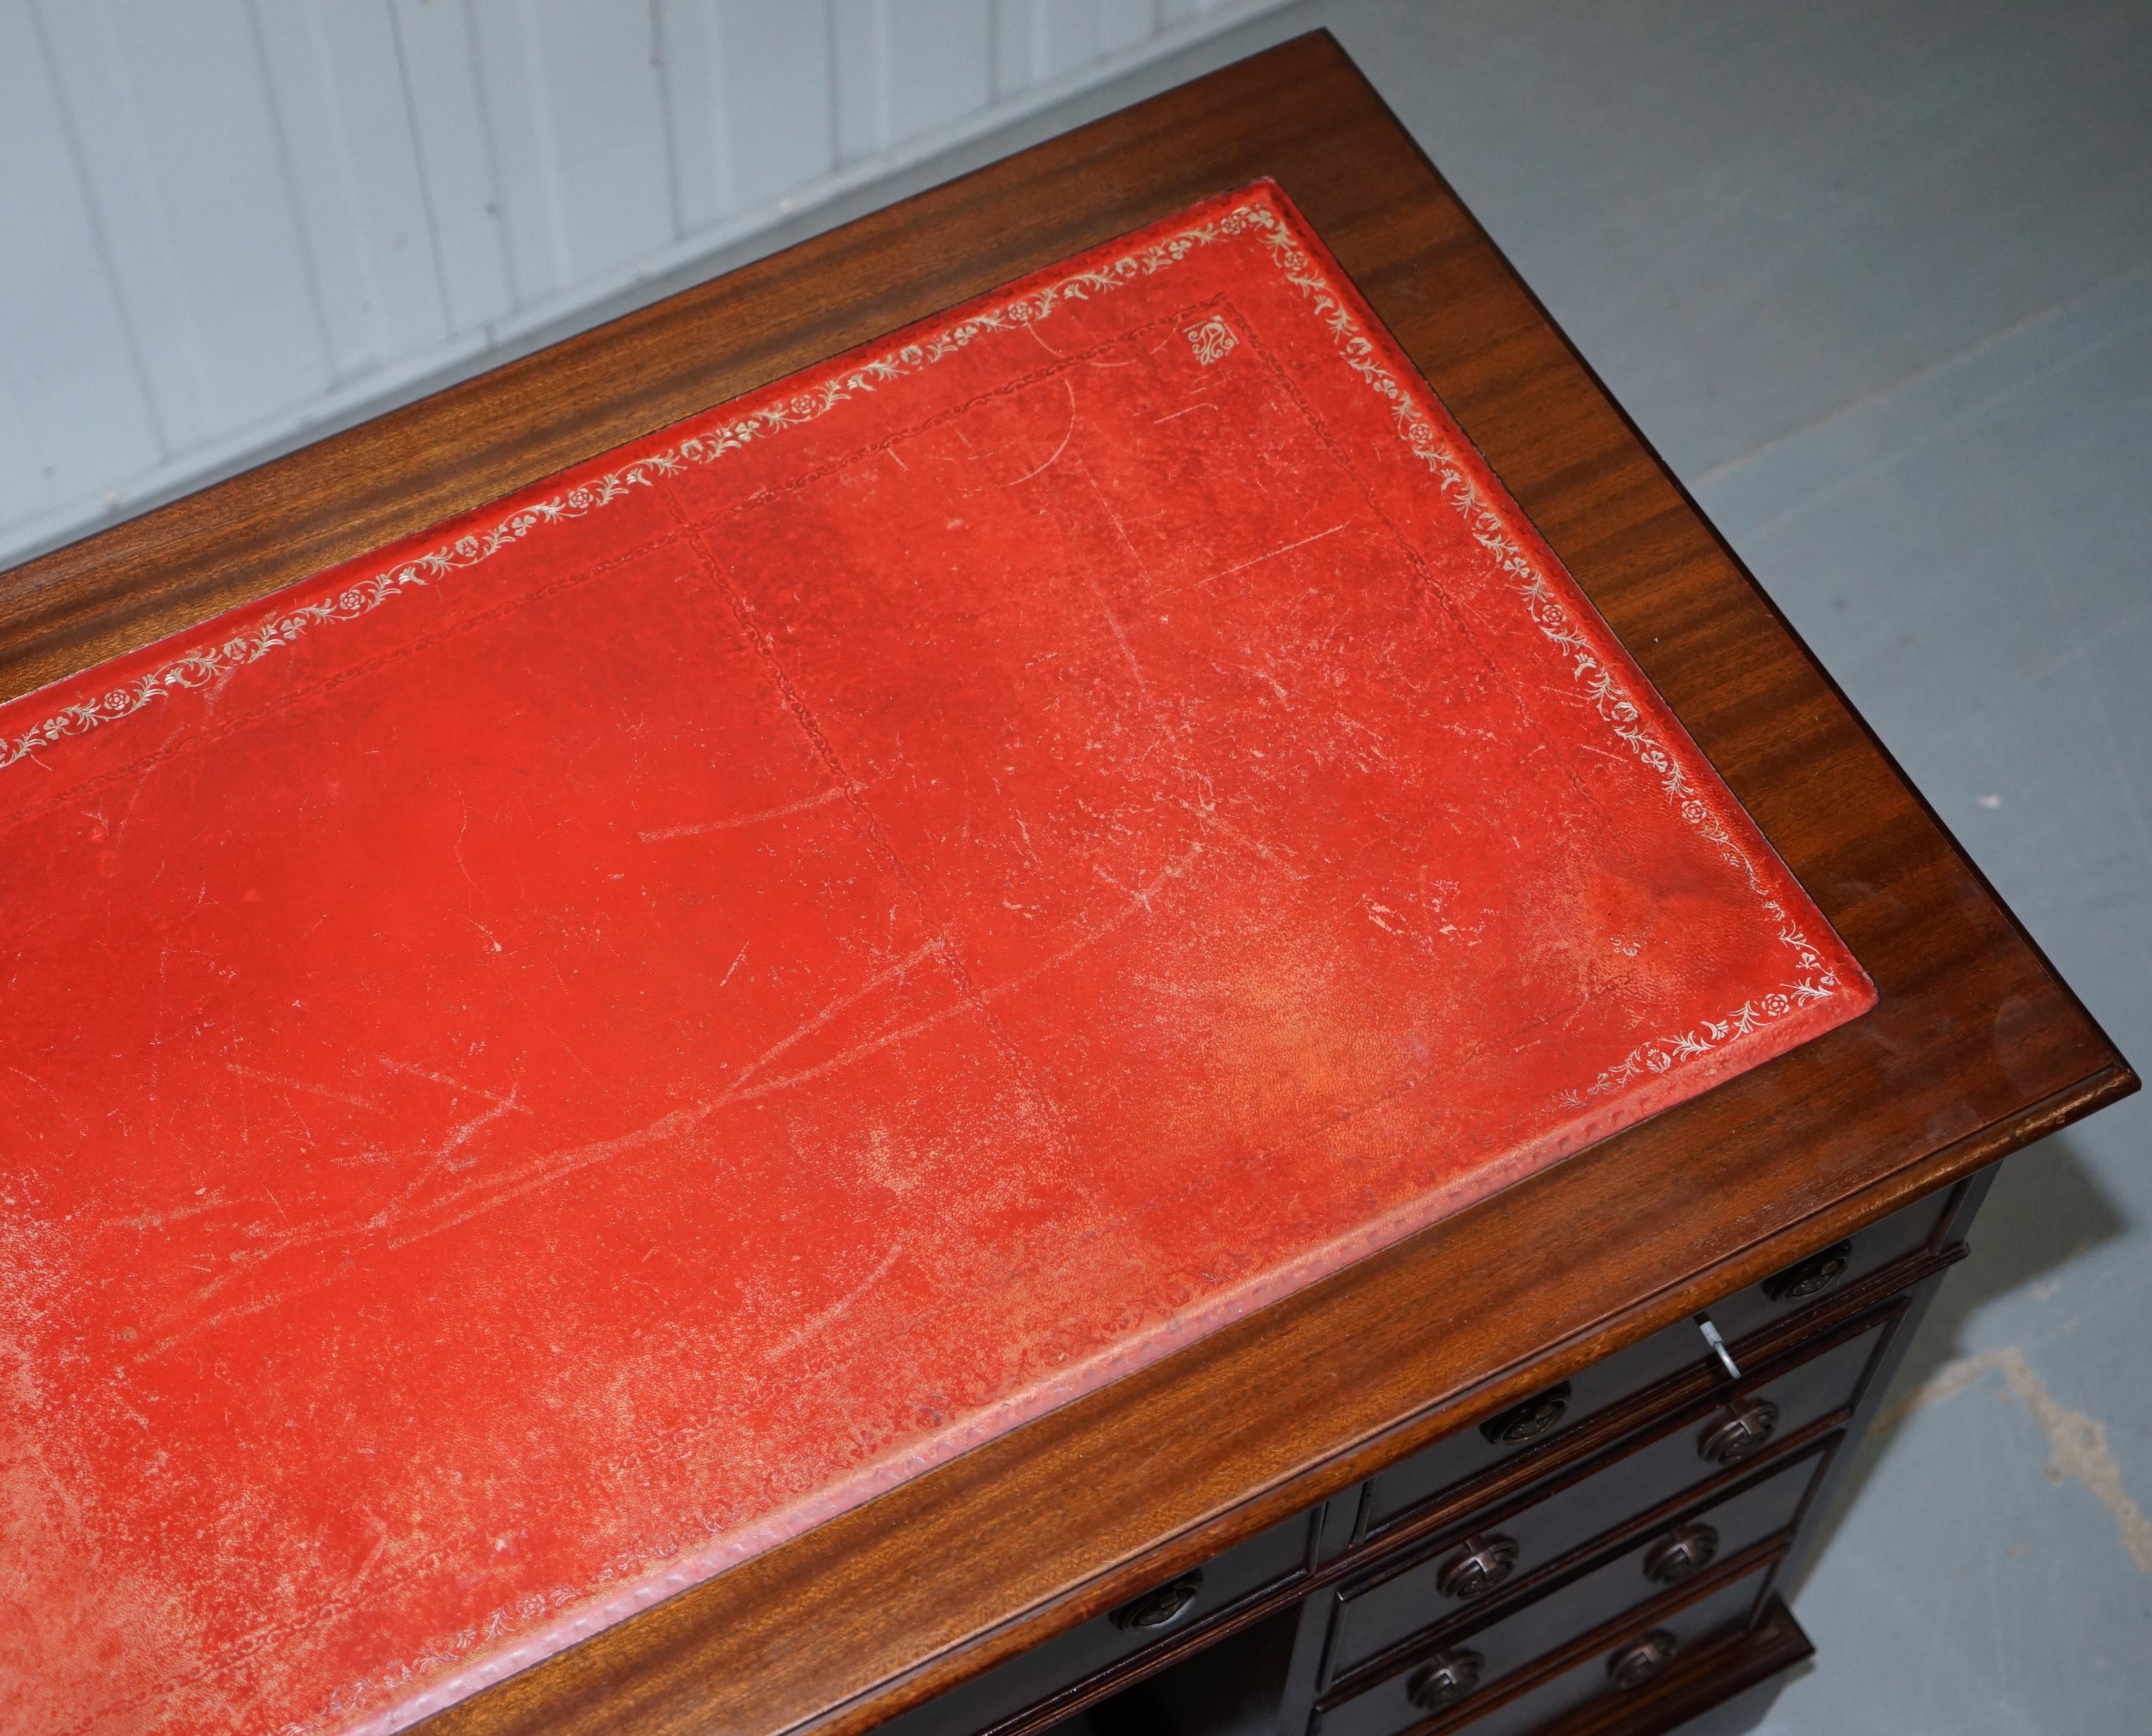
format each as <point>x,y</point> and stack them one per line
<point>1975,1049</point>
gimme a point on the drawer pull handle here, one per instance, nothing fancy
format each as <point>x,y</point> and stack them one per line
<point>1160,1608</point>
<point>1811,1276</point>
<point>1529,1420</point>
<point>1489,1559</point>
<point>1753,1423</point>
<point>1446,1678</point>
<point>1685,1550</point>
<point>1636,1662</point>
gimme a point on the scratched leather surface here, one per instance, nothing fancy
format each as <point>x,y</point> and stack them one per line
<point>552,1057</point>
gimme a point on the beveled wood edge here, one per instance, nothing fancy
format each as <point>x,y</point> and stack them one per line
<point>1792,634</point>
<point>1370,1452</point>
<point>1732,558</point>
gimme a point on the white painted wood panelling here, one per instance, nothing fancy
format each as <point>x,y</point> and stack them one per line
<point>907,67</point>
<point>74,412</point>
<point>336,79</point>
<point>225,221</point>
<point>187,177</point>
<point>437,54</point>
<point>575,109</point>
<point>750,104</point>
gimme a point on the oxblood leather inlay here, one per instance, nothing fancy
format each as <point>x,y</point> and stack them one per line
<point>549,1059</point>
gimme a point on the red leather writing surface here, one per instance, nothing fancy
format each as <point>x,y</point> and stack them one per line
<point>549,1059</point>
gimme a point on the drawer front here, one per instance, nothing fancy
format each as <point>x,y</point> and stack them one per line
<point>1671,1634</point>
<point>1753,1513</point>
<point>1831,1270</point>
<point>1265,1560</point>
<point>1411,1482</point>
<point>1436,1585</point>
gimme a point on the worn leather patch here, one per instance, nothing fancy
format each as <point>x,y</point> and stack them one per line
<point>546,1060</point>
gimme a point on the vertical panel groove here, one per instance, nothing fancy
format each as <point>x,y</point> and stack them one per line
<point>546,158</point>
<point>657,48</point>
<point>722,142</point>
<point>309,266</point>
<point>185,352</point>
<point>836,136</point>
<point>489,147</point>
<point>94,216</point>
<point>409,107</point>
<point>885,80</point>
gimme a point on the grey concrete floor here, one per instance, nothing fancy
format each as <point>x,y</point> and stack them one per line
<point>1877,281</point>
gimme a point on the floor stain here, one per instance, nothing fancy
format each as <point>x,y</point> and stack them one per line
<point>2077,1444</point>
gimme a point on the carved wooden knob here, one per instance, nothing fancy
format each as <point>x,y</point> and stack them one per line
<point>1744,1432</point>
<point>1811,1276</point>
<point>1636,1662</point>
<point>1488,1559</point>
<point>1683,1551</point>
<point>1529,1420</point>
<point>1446,1678</point>
<point>1162,1607</point>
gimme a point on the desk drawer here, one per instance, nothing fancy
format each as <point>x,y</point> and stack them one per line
<point>1002,1695</point>
<point>1411,1482</point>
<point>1753,1513</point>
<point>1831,1270</point>
<point>1437,1584</point>
<point>1657,1634</point>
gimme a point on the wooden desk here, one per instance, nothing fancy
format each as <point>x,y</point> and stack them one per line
<point>1322,1464</point>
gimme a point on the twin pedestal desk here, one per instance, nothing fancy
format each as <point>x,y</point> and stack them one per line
<point>1073,961</point>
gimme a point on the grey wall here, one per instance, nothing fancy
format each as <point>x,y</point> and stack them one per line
<point>225,224</point>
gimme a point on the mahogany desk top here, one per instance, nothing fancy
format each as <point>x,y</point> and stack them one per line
<point>1972,1046</point>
